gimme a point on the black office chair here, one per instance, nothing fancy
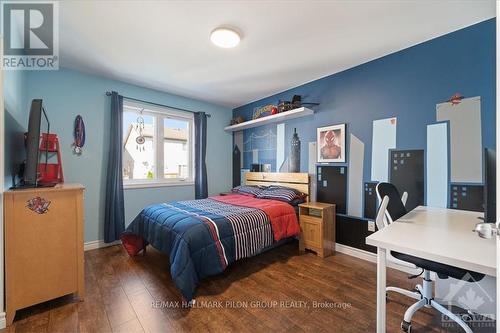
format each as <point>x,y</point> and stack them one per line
<point>392,208</point>
<point>397,207</point>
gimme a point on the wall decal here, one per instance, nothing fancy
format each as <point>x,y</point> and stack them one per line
<point>332,186</point>
<point>352,231</point>
<point>255,156</point>
<point>407,174</point>
<point>236,166</point>
<point>370,208</point>
<point>466,197</point>
<point>38,204</point>
<point>243,176</point>
<point>259,146</point>
<point>237,157</point>
<point>383,139</point>
<point>436,176</point>
<point>355,179</point>
<point>238,141</point>
<point>284,166</point>
<point>331,143</point>
<point>295,152</point>
<point>280,145</point>
<point>260,140</point>
<point>387,115</point>
<point>466,153</point>
<point>313,157</point>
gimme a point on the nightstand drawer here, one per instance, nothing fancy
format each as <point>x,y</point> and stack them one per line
<point>311,232</point>
<point>310,219</point>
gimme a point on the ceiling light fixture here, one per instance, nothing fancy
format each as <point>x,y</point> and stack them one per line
<point>225,37</point>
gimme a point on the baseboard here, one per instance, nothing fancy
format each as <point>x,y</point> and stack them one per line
<point>97,244</point>
<point>371,257</point>
<point>3,320</point>
<point>354,252</point>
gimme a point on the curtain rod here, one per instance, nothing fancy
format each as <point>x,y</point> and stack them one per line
<point>108,93</point>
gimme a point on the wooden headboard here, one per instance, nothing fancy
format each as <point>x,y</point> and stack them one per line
<point>295,180</point>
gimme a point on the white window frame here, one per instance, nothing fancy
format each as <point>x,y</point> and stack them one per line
<point>160,113</point>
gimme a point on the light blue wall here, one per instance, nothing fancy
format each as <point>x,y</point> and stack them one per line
<point>66,93</point>
<point>16,121</point>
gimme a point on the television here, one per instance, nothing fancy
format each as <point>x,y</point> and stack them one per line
<point>490,180</point>
<point>37,118</point>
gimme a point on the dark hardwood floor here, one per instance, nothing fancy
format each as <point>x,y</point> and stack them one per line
<point>259,294</point>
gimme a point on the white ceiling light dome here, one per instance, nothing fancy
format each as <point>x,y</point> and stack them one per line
<point>225,37</point>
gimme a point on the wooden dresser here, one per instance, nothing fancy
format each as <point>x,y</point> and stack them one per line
<point>43,245</point>
<point>317,228</point>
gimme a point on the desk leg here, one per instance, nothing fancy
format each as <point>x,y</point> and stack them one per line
<point>381,285</point>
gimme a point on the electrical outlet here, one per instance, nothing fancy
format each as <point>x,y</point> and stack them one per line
<point>371,226</point>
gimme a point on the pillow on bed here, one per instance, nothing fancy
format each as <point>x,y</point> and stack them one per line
<point>281,193</point>
<point>298,201</point>
<point>247,190</point>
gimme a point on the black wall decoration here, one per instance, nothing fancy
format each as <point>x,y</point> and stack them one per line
<point>236,166</point>
<point>370,207</point>
<point>352,231</point>
<point>295,152</point>
<point>332,186</point>
<point>406,172</point>
<point>466,197</point>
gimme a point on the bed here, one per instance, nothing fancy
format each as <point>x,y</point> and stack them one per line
<point>203,237</point>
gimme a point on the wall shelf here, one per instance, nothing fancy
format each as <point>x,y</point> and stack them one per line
<point>275,118</point>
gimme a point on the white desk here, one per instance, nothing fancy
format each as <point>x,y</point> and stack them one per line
<point>437,234</point>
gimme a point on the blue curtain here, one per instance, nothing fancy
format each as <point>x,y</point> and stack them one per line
<point>114,219</point>
<point>200,151</point>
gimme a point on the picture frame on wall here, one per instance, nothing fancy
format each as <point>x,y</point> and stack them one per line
<point>330,143</point>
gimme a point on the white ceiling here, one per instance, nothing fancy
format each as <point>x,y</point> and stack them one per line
<point>165,44</point>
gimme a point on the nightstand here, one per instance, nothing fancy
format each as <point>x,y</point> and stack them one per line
<point>317,228</point>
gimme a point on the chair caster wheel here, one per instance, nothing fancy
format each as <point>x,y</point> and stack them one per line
<point>467,317</point>
<point>406,326</point>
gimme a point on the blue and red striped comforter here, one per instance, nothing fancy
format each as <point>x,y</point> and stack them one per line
<point>202,237</point>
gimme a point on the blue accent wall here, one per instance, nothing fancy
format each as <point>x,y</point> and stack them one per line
<point>67,93</point>
<point>407,84</point>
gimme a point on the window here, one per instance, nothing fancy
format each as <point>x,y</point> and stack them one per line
<point>157,146</point>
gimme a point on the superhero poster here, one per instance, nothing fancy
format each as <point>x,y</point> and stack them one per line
<point>331,144</point>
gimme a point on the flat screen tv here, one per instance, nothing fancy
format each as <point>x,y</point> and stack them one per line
<point>37,120</point>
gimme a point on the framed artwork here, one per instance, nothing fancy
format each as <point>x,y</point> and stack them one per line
<point>331,143</point>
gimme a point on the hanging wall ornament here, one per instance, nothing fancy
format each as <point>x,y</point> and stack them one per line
<point>79,135</point>
<point>295,152</point>
<point>139,127</point>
